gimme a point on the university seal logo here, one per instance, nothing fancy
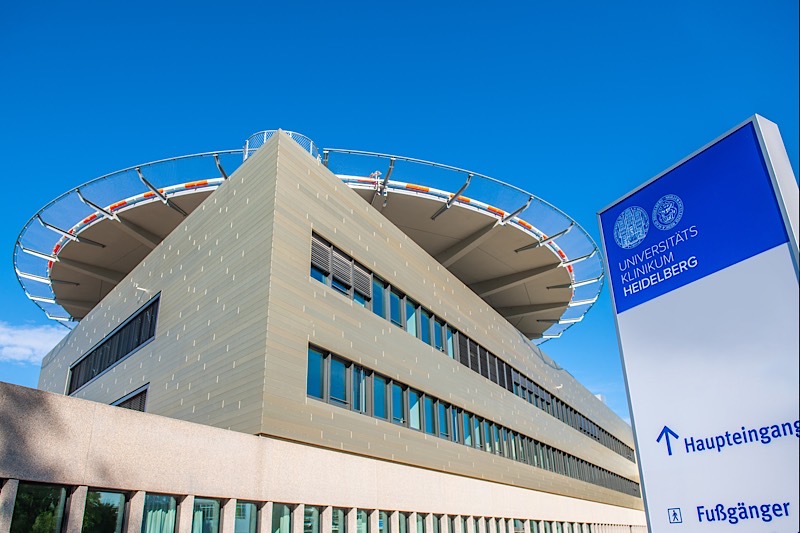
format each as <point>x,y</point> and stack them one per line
<point>667,212</point>
<point>631,227</point>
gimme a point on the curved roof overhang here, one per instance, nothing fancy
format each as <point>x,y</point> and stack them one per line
<point>532,270</point>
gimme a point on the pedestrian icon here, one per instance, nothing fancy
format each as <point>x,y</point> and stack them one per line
<point>674,514</point>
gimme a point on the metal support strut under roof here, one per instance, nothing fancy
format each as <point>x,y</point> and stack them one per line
<point>69,235</point>
<point>545,239</point>
<point>160,194</point>
<point>453,198</point>
<point>140,234</point>
<point>219,167</point>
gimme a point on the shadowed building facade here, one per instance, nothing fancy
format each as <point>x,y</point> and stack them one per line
<point>319,363</point>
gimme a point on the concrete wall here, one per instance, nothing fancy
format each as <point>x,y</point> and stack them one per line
<point>50,438</point>
<point>238,310</point>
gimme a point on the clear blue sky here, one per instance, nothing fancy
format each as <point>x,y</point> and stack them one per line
<point>576,102</point>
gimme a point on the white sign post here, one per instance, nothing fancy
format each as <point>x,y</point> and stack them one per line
<point>703,268</point>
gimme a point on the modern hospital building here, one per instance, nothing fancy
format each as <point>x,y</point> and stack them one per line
<point>287,340</point>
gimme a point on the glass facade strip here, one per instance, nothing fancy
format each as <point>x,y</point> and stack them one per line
<point>423,324</point>
<point>133,333</point>
<point>417,410</point>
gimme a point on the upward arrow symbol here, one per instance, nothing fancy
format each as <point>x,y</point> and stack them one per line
<point>665,434</point>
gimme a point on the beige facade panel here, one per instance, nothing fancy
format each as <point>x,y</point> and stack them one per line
<point>238,311</point>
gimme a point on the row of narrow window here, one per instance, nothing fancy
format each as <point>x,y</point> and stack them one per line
<point>345,384</point>
<point>331,266</point>
<point>137,330</point>
<point>42,507</point>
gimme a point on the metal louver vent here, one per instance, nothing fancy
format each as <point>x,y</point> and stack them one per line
<point>135,403</point>
<point>320,254</point>
<point>342,268</point>
<point>362,280</point>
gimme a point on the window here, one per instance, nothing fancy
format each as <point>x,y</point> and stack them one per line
<point>425,326</point>
<point>384,524</point>
<point>338,520</point>
<point>454,416</point>
<point>438,335</point>
<point>359,390</point>
<point>42,505</point>
<point>159,513</point>
<point>104,512</point>
<point>362,521</point>
<point>338,381</point>
<point>411,316</point>
<point>467,423</point>
<point>319,275</point>
<point>246,520</point>
<point>135,332</point>
<point>378,297</point>
<point>398,404</point>
<point>476,431</point>
<point>206,515</point>
<point>430,416</point>
<point>395,308</point>
<point>443,420</point>
<point>402,520</point>
<point>315,383</point>
<point>311,519</point>
<point>281,518</point>
<point>379,396</point>
<point>413,409</point>
<point>420,523</point>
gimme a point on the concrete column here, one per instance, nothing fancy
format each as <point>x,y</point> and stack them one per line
<point>352,520</point>
<point>133,522</point>
<point>265,518</point>
<point>374,521</point>
<point>394,522</point>
<point>429,524</point>
<point>469,525</point>
<point>412,523</point>
<point>526,524</point>
<point>185,514</point>
<point>326,518</point>
<point>298,513</point>
<point>8,495</point>
<point>77,505</point>
<point>228,510</point>
<point>483,525</point>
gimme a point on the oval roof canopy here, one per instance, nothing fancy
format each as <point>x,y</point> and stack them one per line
<point>524,257</point>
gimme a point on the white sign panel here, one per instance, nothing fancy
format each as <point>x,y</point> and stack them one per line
<point>702,265</point>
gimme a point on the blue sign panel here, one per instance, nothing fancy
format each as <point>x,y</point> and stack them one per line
<point>693,221</point>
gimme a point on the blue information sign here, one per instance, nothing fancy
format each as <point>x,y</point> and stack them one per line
<point>693,221</point>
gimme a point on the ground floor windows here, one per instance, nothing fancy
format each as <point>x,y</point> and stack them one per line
<point>338,520</point>
<point>345,384</point>
<point>104,512</point>
<point>312,519</point>
<point>160,512</point>
<point>281,518</point>
<point>384,523</point>
<point>38,508</point>
<point>246,520</point>
<point>206,516</point>
<point>362,521</point>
